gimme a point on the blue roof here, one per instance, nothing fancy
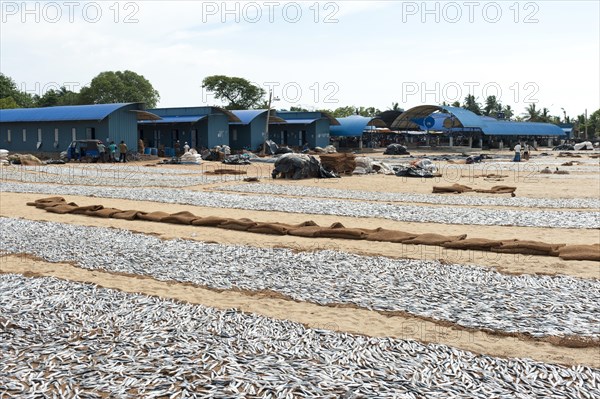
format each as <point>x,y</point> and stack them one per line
<point>416,116</point>
<point>353,126</point>
<point>94,112</point>
<point>301,121</point>
<point>246,116</point>
<point>505,128</point>
<point>176,119</point>
<point>466,117</point>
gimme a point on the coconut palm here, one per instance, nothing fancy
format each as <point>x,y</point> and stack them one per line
<point>532,114</point>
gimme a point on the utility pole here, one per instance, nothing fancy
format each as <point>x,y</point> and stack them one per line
<point>264,149</point>
<point>586,124</point>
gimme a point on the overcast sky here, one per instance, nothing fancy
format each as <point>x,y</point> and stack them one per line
<point>317,54</point>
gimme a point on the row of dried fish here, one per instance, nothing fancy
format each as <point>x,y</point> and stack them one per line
<point>470,296</point>
<point>328,192</point>
<point>107,177</point>
<point>406,213</point>
<point>66,339</point>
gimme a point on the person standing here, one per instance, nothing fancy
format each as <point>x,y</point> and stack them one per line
<point>186,147</point>
<point>177,146</point>
<point>112,149</point>
<point>526,152</point>
<point>517,153</point>
<point>122,152</point>
<point>102,151</point>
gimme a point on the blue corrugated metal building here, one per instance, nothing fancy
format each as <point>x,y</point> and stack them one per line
<point>200,127</point>
<point>52,129</point>
<point>249,132</point>
<point>302,127</point>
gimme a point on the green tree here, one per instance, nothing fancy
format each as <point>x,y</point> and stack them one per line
<point>532,114</point>
<point>492,106</point>
<point>57,97</point>
<point>298,109</point>
<point>119,87</point>
<point>471,104</point>
<point>456,104</point>
<point>239,93</point>
<point>508,112</point>
<point>368,111</point>
<point>342,112</point>
<point>396,107</point>
<point>8,103</point>
<point>8,88</point>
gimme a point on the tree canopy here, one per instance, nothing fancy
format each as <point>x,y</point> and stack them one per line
<point>239,93</point>
<point>11,96</point>
<point>119,87</point>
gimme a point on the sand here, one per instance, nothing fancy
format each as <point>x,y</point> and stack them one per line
<point>359,321</point>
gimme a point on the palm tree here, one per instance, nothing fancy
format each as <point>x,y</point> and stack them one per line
<point>545,115</point>
<point>508,112</point>
<point>532,114</point>
<point>471,104</point>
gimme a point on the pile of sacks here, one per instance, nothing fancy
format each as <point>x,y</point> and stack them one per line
<point>191,157</point>
<point>299,166</point>
<point>396,149</point>
<point>337,230</point>
<point>4,157</point>
<point>364,165</point>
<point>327,150</point>
<point>26,159</point>
<point>339,163</point>
<point>417,168</point>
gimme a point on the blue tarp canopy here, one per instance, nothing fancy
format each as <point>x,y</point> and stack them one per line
<point>446,118</point>
<point>354,126</point>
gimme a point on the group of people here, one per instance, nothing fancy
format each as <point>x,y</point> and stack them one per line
<point>105,153</point>
<point>177,147</point>
<point>111,151</point>
<point>522,151</point>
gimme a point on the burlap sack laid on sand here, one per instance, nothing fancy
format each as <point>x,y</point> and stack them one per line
<point>83,209</point>
<point>272,228</point>
<point>434,239</point>
<point>455,188</point>
<point>305,231</point>
<point>127,215</point>
<point>104,212</point>
<point>209,221</point>
<point>238,224</point>
<point>61,208</point>
<point>390,236</point>
<point>580,252</point>
<point>180,218</point>
<point>156,216</point>
<point>482,244</point>
<point>340,232</point>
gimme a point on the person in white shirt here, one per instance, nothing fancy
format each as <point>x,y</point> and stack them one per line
<point>186,147</point>
<point>517,153</point>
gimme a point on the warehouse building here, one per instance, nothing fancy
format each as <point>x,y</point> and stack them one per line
<point>200,127</point>
<point>250,132</point>
<point>52,129</point>
<point>302,127</point>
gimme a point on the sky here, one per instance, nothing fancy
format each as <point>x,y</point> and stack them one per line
<point>316,54</point>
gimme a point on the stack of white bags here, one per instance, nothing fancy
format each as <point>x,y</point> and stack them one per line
<point>4,157</point>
